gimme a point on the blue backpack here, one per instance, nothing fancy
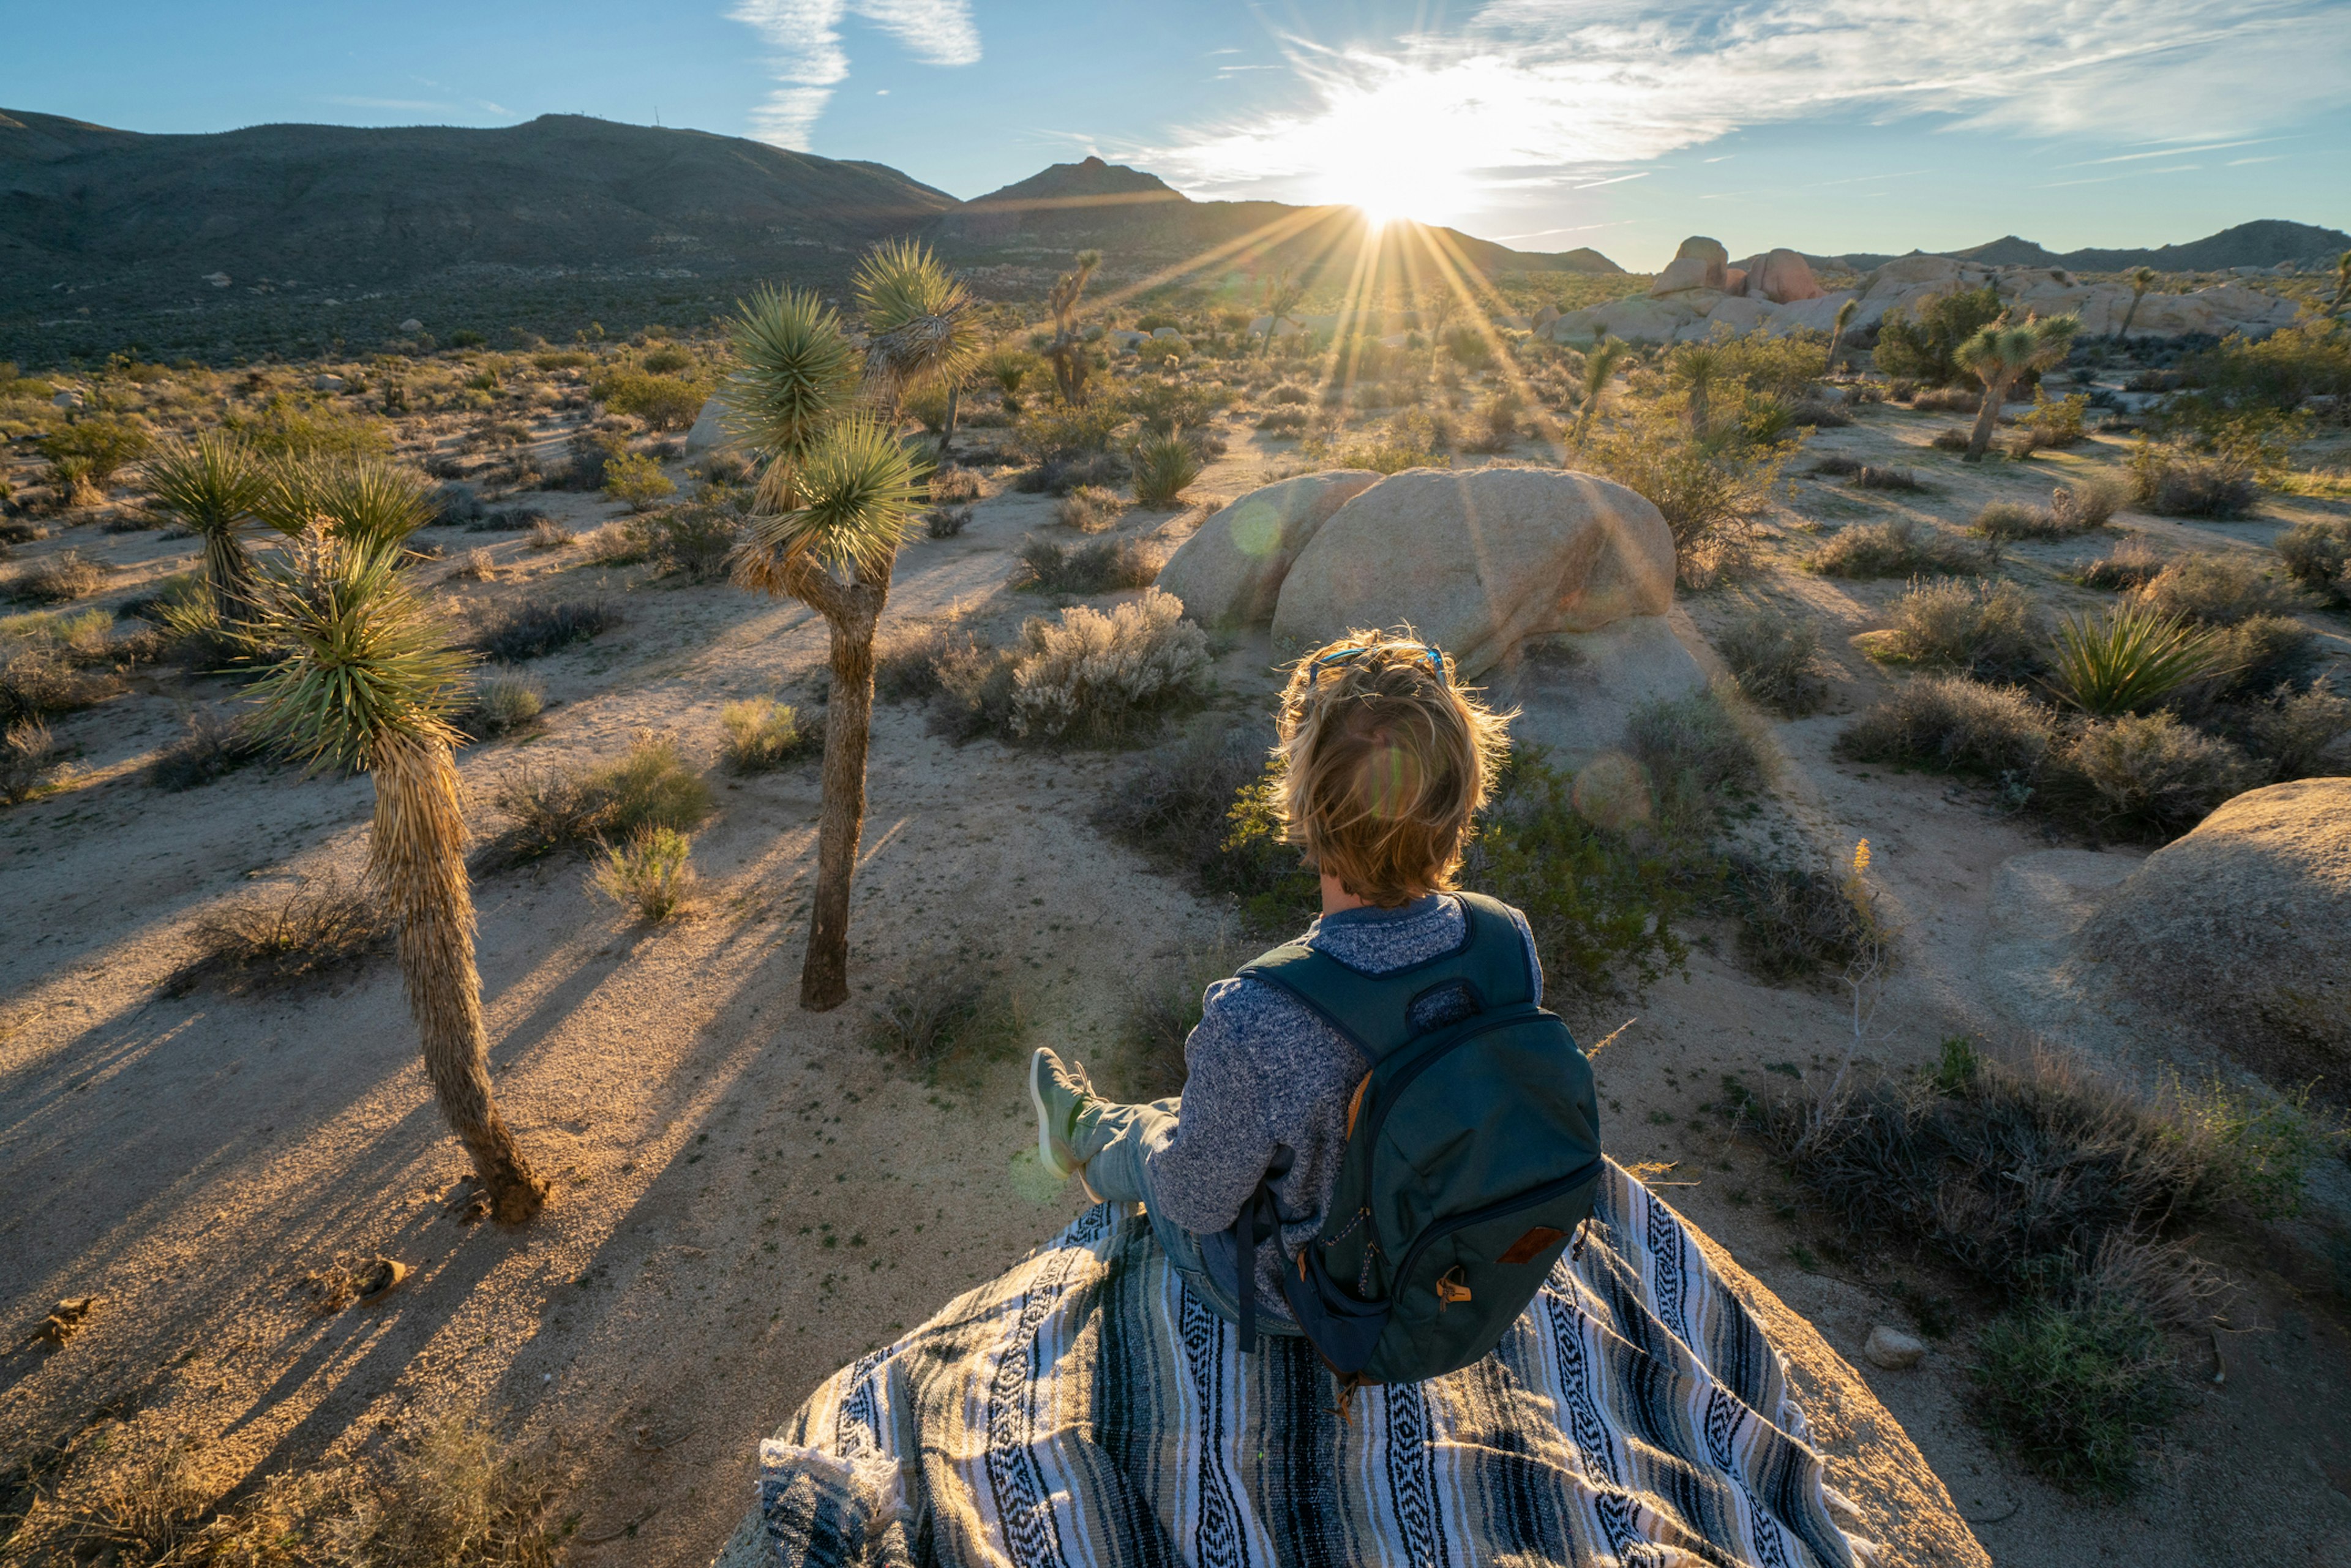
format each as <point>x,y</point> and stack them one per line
<point>1472,1155</point>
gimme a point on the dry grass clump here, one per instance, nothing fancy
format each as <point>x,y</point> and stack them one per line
<point>1905,547</point>
<point>955,486</point>
<point>1698,754</point>
<point>762,735</point>
<point>27,752</point>
<point>1869,477</point>
<point>2130,564</point>
<point>2317,554</point>
<point>40,682</point>
<point>502,704</point>
<point>2089,504</point>
<point>1102,567</point>
<point>2218,590</point>
<point>1091,676</point>
<point>310,932</point>
<point>1948,400</point>
<point>1986,629</point>
<point>651,872</point>
<point>1775,656</point>
<point>1163,1006</point>
<point>2300,735</point>
<point>59,580</point>
<point>535,630</point>
<point>456,1497</point>
<point>549,812</point>
<point>1088,508</point>
<point>2176,482</point>
<point>945,522</point>
<point>1795,920</point>
<point>2149,773</point>
<point>548,534</point>
<point>949,1013</point>
<point>1958,726</point>
<point>211,747</point>
<point>1951,439</point>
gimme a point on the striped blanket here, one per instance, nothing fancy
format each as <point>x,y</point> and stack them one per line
<point>1085,1409</point>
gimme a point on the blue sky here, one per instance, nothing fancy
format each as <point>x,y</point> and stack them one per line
<point>1830,125</point>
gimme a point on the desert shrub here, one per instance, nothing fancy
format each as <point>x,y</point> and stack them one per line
<point>1819,414</point>
<point>2130,564</point>
<point>1469,348</point>
<point>291,427</point>
<point>548,534</point>
<point>38,682</point>
<point>1871,477</point>
<point>1952,439</point>
<point>2175,482</point>
<point>663,402</point>
<point>584,463</point>
<point>547,812</point>
<point>1088,508</point>
<point>2217,591</point>
<point>1168,408</point>
<point>1290,394</point>
<point>1284,421</point>
<point>211,747</point>
<point>2281,373</point>
<point>1836,465</point>
<point>945,522</point>
<point>1917,343</point>
<point>61,578</point>
<point>635,478</point>
<point>502,704</point>
<point>1773,656</point>
<point>1064,432</point>
<point>460,1498</point>
<point>1784,367</point>
<point>1904,546</point>
<point>1948,400</point>
<point>667,361</point>
<point>1794,919</point>
<point>694,538</point>
<point>535,630</point>
<point>1091,676</point>
<point>453,502</point>
<point>2257,656</point>
<point>1602,903</point>
<point>81,634</point>
<point>27,752</point>
<point>1098,567</point>
<point>1379,454</point>
<point>1059,476</point>
<point>970,683</point>
<point>614,544</point>
<point>2052,424</point>
<point>651,872</point>
<point>1162,1006</point>
<point>762,734</point>
<point>99,446</point>
<point>309,933</point>
<point>1709,488</point>
<point>1164,467</point>
<point>2294,733</point>
<point>2081,507</point>
<point>905,662</point>
<point>2008,520</point>
<point>2073,1387</point>
<point>1698,753</point>
<point>1986,629</point>
<point>1955,724</point>
<point>2317,554</point>
<point>1177,806</point>
<point>947,1015</point>
<point>2150,774</point>
<point>2132,657</point>
<point>954,486</point>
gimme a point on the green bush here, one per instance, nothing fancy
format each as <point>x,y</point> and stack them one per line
<point>637,479</point>
<point>2051,425</point>
<point>1698,756</point>
<point>549,812</point>
<point>1169,408</point>
<point>2280,372</point>
<point>1165,467</point>
<point>301,429</point>
<point>1920,346</point>
<point>696,538</point>
<point>762,734</point>
<point>1709,488</point>
<point>93,450</point>
<point>663,402</point>
<point>2130,658</point>
<point>2293,732</point>
<point>1101,566</point>
<point>2073,1388</point>
<point>1063,431</point>
<point>652,871</point>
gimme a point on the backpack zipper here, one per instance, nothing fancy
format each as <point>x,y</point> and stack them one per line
<point>1543,1194</point>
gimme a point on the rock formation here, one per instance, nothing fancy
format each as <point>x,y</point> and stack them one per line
<point>2242,932</point>
<point>1230,571</point>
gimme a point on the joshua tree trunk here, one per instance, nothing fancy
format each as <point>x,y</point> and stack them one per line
<point>955,406</point>
<point>229,573</point>
<point>417,858</point>
<point>851,610</point>
<point>1995,394</point>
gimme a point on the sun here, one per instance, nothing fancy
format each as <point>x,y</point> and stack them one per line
<point>1388,167</point>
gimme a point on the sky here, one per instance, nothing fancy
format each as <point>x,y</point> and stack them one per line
<point>1828,125</point>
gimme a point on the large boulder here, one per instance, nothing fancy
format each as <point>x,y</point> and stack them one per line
<point>1479,561</point>
<point>1739,315</point>
<point>1704,249</point>
<point>1784,277</point>
<point>1230,572</point>
<point>1906,274</point>
<point>707,432</point>
<point>1688,272</point>
<point>2241,932</point>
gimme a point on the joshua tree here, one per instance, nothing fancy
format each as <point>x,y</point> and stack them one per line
<point>837,494</point>
<point>2000,353</point>
<point>855,491</point>
<point>1600,362</point>
<point>1282,298</point>
<point>1435,311</point>
<point>1844,320</point>
<point>2342,284</point>
<point>213,486</point>
<point>363,501</point>
<point>2141,280</point>
<point>362,678</point>
<point>1068,354</point>
<point>1697,366</point>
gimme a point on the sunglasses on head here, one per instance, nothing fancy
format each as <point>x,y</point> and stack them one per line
<point>1435,660</point>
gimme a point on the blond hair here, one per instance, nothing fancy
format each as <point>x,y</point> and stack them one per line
<point>1386,762</point>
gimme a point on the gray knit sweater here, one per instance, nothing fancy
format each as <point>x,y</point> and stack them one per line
<point>1268,1084</point>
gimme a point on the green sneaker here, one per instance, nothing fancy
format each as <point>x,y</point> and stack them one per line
<point>1061,1093</point>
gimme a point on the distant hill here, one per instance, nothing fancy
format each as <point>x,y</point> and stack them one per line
<point>2262,243</point>
<point>1069,206</point>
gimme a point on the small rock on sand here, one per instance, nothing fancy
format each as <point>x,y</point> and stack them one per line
<point>1893,1350</point>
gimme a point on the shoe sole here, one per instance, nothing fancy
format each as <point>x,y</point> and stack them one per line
<point>1044,1131</point>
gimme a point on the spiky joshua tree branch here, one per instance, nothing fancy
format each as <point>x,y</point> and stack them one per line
<point>2001,352</point>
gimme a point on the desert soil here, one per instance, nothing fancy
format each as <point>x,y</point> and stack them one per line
<point>747,1195</point>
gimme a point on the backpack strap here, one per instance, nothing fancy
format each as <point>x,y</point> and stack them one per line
<point>1375,1011</point>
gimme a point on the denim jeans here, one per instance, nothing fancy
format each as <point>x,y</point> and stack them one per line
<point>1115,1172</point>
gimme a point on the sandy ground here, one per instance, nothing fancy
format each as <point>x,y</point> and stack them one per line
<point>747,1196</point>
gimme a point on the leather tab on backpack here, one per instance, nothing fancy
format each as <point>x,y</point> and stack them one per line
<point>1527,1248</point>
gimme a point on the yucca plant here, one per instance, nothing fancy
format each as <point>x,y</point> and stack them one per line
<point>1164,466</point>
<point>858,492</point>
<point>361,676</point>
<point>363,501</point>
<point>794,371</point>
<point>212,486</point>
<point>1697,366</point>
<point>2130,658</point>
<point>919,321</point>
<point>2004,351</point>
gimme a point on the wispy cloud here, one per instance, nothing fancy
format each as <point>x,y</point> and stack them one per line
<point>1591,84</point>
<point>809,61</point>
